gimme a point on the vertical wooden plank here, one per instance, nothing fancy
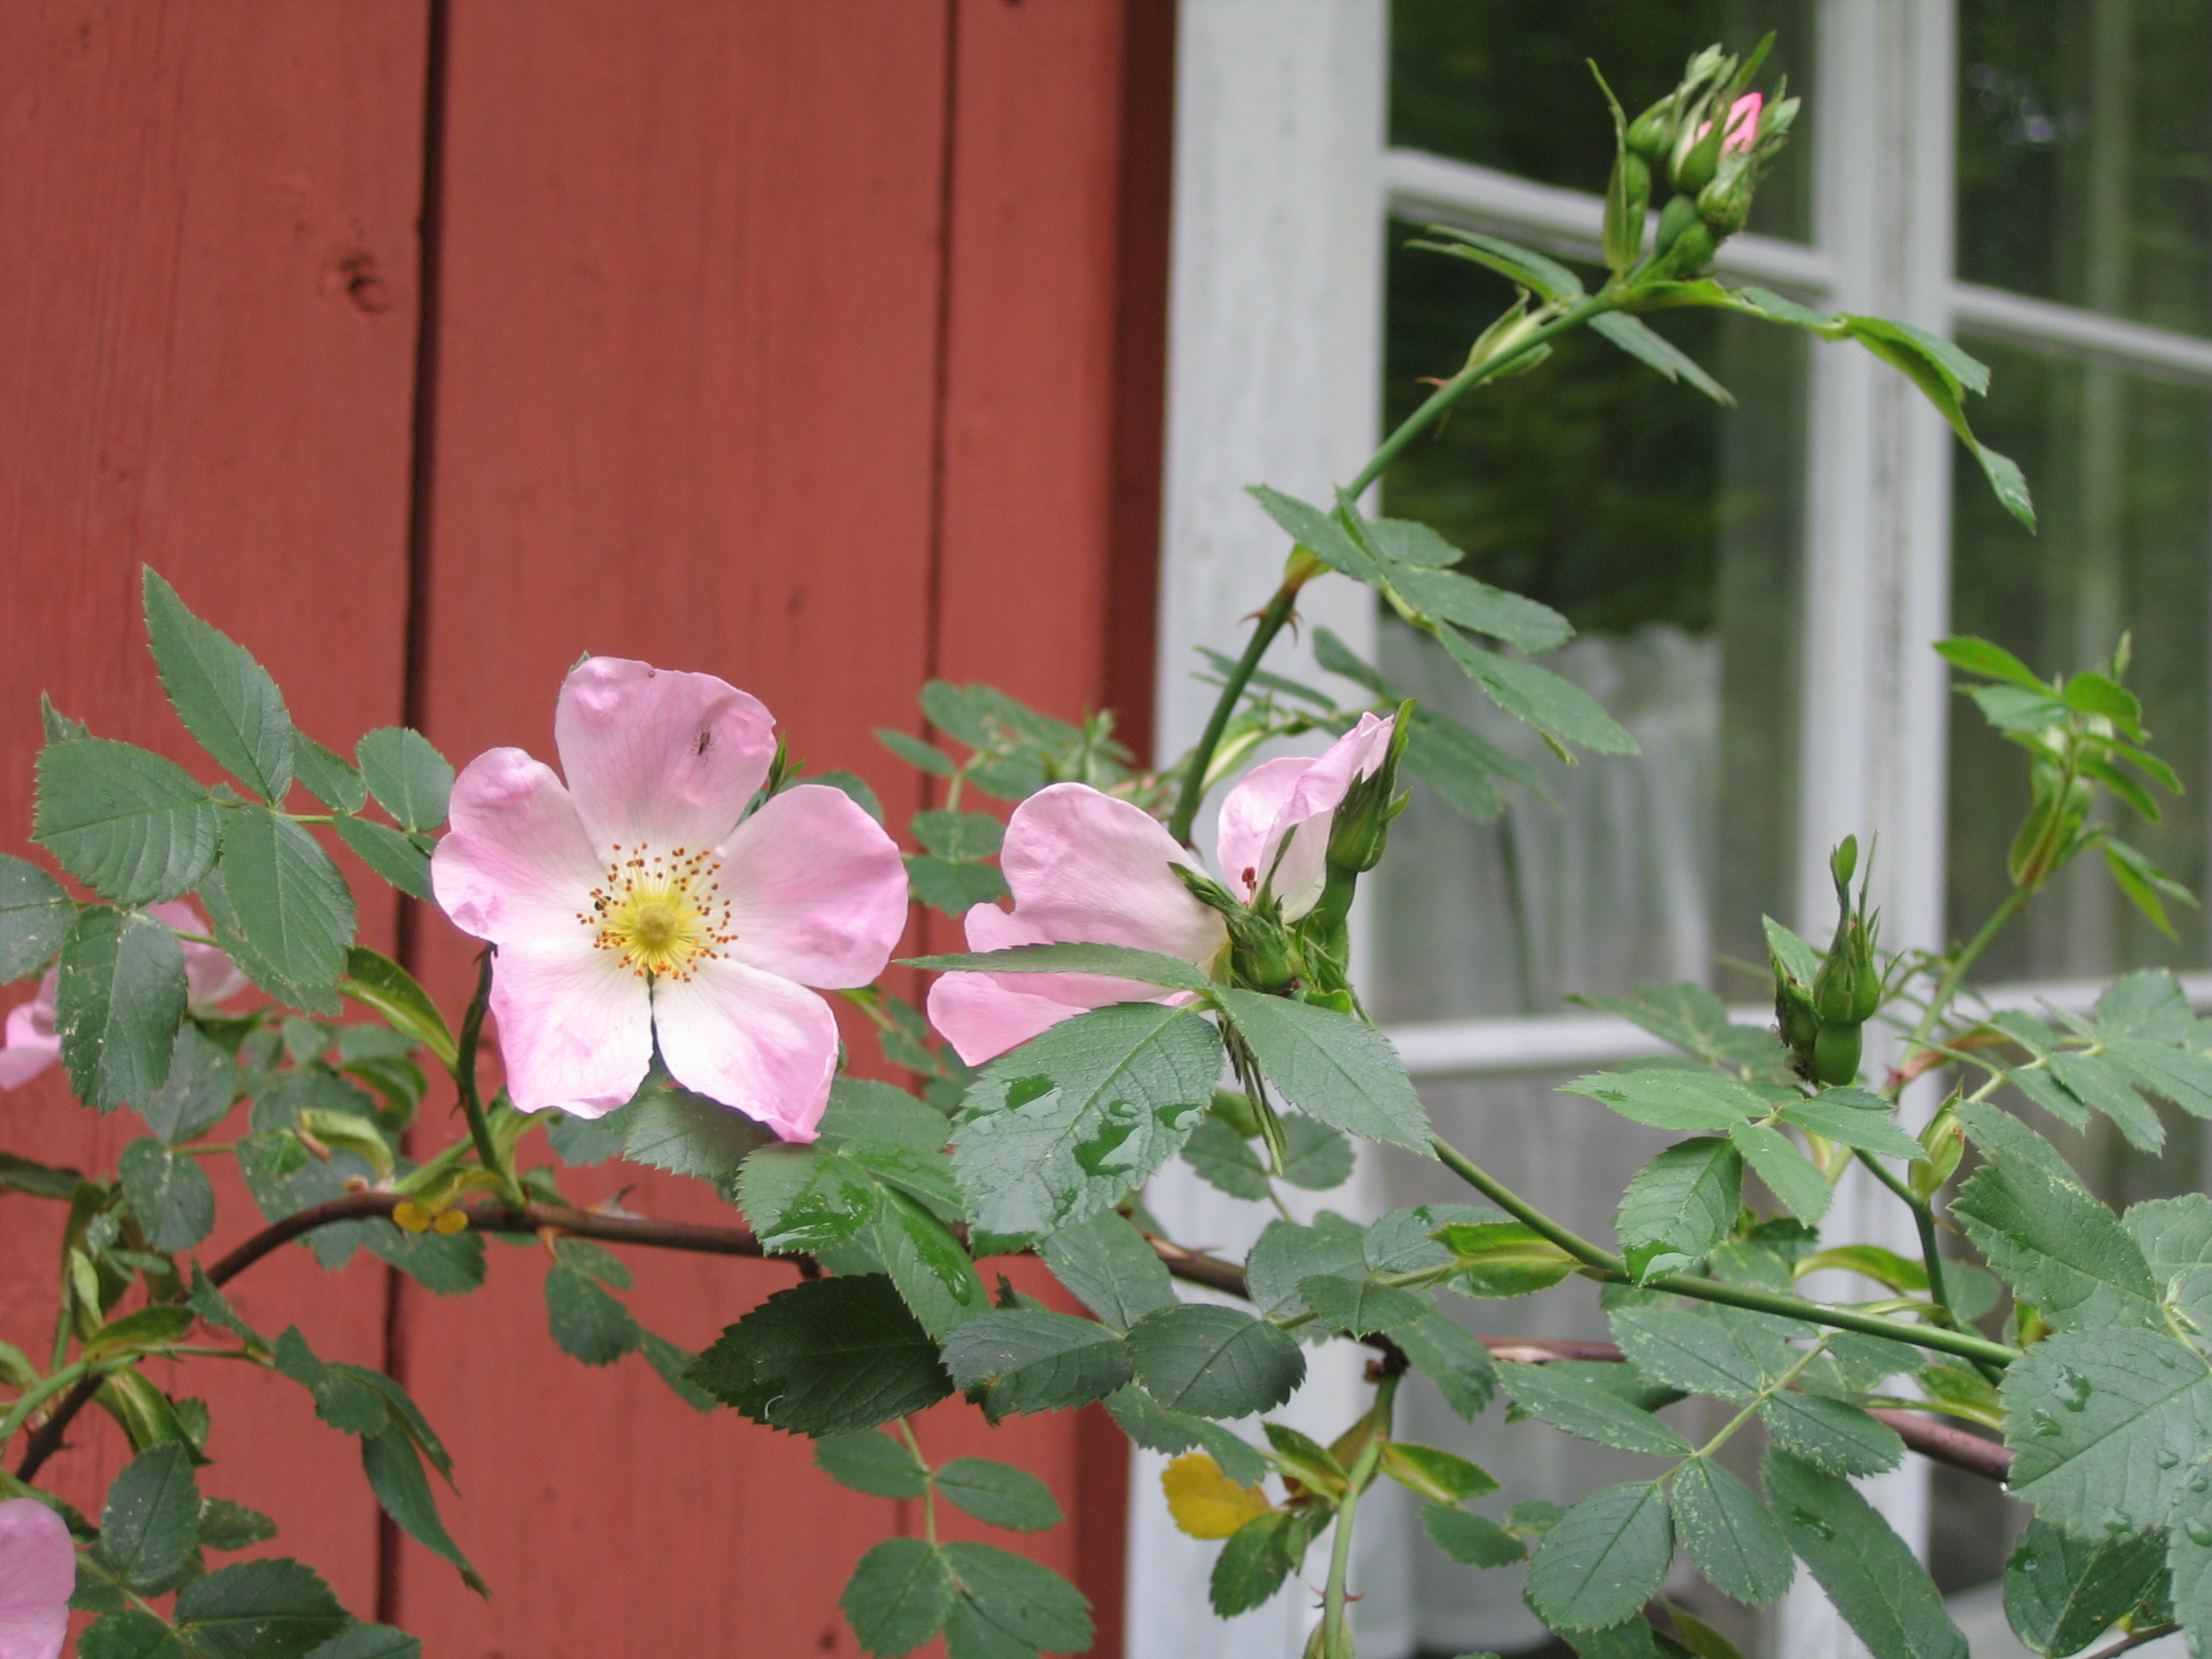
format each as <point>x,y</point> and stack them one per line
<point>205,357</point>
<point>686,400</point>
<point>1053,392</point>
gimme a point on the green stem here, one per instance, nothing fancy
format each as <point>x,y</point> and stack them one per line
<point>1923,1219</point>
<point>1336,1636</point>
<point>37,1395</point>
<point>1765,1394</point>
<point>1954,976</point>
<point>1263,636</point>
<point>1279,609</point>
<point>464,1079</point>
<point>929,1488</point>
<point>1609,1265</point>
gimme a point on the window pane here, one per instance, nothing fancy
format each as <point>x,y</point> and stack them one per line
<point>2118,463</point>
<point>2085,153</point>
<point>1666,530</point>
<point>1500,82</point>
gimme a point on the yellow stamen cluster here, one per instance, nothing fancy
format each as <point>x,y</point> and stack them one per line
<point>664,912</point>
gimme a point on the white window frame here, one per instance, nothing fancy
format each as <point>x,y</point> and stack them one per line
<point>1283,182</point>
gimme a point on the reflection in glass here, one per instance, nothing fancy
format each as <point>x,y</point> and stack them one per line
<point>2120,465</point>
<point>1666,529</point>
<point>1483,81</point>
<point>2085,153</point>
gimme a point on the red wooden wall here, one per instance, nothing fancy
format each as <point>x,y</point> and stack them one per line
<point>813,343</point>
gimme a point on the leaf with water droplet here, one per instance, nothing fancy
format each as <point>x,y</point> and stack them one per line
<point>2121,1408</point>
<point>1882,1591</point>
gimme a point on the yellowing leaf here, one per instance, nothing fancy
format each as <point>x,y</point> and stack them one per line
<point>1206,1502</point>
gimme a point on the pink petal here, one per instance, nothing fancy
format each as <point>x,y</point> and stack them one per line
<point>1742,130</point>
<point>516,864</point>
<point>658,758</point>
<point>1084,865</point>
<point>38,1573</point>
<point>982,1016</point>
<point>32,1044</point>
<point>210,976</point>
<point>751,1040</point>
<point>817,892</point>
<point>1295,799</point>
<point>575,1027</point>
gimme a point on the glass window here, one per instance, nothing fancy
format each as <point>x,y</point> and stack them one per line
<point>1481,80</point>
<point>2085,155</point>
<point>2119,462</point>
<point>1666,529</point>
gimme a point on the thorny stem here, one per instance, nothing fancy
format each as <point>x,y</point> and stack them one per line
<point>1279,608</point>
<point>1609,1265</point>
<point>37,1395</point>
<point>1336,1636</point>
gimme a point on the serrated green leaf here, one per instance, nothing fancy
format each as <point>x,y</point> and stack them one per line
<point>117,1008</point>
<point>1559,709</point>
<point>409,777</point>
<point>1979,656</point>
<point>169,1193</point>
<point>1451,1359</point>
<point>585,1322</point>
<point>674,1365</point>
<point>805,1198</point>
<point>1830,1435</point>
<point>999,1494</point>
<point>1503,1259</point>
<point>959,834</point>
<point>392,854</point>
<point>1730,1358</point>
<point>1109,961</point>
<point>1691,1019</point>
<point>1789,1174</point>
<point>1065,1125</point>
<point>1699,1101</point>
<point>913,750</point>
<point>382,984</point>
<point>1359,1306</point>
<point>898,1596</point>
<point>1153,1426</point>
<point>1332,1067</point>
<point>1655,351</point>
<point>274,1609</point>
<point>1587,1412</point>
<point>225,698</point>
<point>1604,1559</point>
<point>1214,1361</point>
<point>1287,1253</point>
<point>1113,1271</point>
<point>2105,1088</point>
<point>828,1356</point>
<point>1857,1118</point>
<point>1874,1580</point>
<point>150,1523</point>
<point>395,1475</point>
<point>1253,1563</point>
<point>125,1633</point>
<point>873,1462</point>
<point>290,901</point>
<point>330,777</point>
<point>2062,1593</point>
<point>21,1175</point>
<point>933,1273</point>
<point>953,887</point>
<point>1445,1476</point>
<point>1027,1602</point>
<point>1031,1359</point>
<point>2105,1424</point>
<point>1452,598</point>
<point>225,1525</point>
<point>2045,1235</point>
<point>1680,1205</point>
<point>671,1129</point>
<point>1315,1157</point>
<point>197,1093</point>
<point>1471,1540</point>
<point>1939,369</point>
<point>1318,533</point>
<point>35,913</point>
<point>1225,1159</point>
<point>1729,1534</point>
<point>1534,272</point>
<point>2183,1075</point>
<point>369,1642</point>
<point>135,827</point>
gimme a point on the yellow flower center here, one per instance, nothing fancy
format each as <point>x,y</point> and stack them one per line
<point>663,913</point>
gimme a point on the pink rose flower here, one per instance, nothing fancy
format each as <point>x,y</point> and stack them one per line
<point>211,977</point>
<point>1085,867</point>
<point>1742,130</point>
<point>38,1573</point>
<point>632,903</point>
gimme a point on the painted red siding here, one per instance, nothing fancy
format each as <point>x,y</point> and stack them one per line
<point>815,345</point>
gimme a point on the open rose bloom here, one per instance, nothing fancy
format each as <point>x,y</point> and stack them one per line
<point>1085,867</point>
<point>631,903</point>
<point>32,1044</point>
<point>38,1572</point>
